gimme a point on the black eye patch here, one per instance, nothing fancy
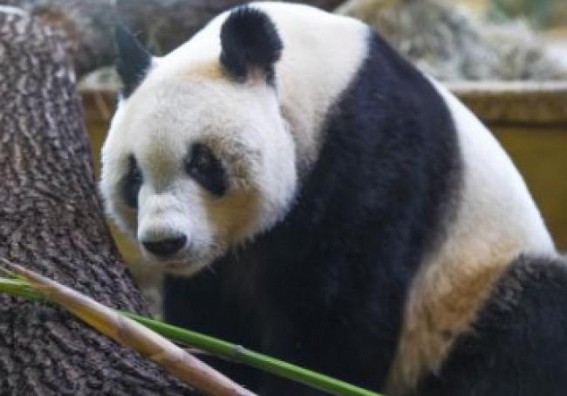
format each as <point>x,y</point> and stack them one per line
<point>132,183</point>
<point>206,169</point>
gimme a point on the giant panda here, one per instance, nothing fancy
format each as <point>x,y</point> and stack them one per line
<point>311,195</point>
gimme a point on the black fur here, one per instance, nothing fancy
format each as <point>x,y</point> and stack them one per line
<point>132,183</point>
<point>206,169</point>
<point>518,347</point>
<point>325,288</point>
<point>133,60</point>
<point>249,40</point>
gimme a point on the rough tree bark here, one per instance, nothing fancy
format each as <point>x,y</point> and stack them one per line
<point>51,221</point>
<point>86,26</point>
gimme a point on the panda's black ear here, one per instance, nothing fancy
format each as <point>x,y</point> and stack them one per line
<point>249,41</point>
<point>133,60</point>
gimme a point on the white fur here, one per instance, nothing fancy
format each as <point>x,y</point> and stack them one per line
<point>497,205</point>
<point>265,137</point>
<point>167,118</point>
<point>322,54</point>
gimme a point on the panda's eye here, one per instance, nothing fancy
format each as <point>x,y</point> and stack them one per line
<point>206,169</point>
<point>132,183</point>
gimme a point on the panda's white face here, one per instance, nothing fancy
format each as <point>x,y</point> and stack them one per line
<point>192,166</point>
<point>204,150</point>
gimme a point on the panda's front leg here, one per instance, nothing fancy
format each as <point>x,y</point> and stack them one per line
<point>197,303</point>
<point>323,342</point>
<point>282,338</point>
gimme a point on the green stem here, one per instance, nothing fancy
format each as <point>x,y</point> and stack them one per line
<point>21,288</point>
<point>242,355</point>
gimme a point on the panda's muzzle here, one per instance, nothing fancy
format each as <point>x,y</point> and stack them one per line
<point>165,247</point>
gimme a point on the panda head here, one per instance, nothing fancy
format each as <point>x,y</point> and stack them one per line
<point>198,158</point>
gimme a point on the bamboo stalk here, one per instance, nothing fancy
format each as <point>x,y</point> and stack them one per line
<point>260,361</point>
<point>132,334</point>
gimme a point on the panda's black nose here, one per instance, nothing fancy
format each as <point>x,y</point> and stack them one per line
<point>165,247</point>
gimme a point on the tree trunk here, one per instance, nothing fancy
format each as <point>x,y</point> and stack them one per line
<point>86,26</point>
<point>51,221</point>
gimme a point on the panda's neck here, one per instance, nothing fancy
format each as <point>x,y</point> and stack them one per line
<point>309,83</point>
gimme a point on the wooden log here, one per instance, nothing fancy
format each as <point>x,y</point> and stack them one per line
<point>51,220</point>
